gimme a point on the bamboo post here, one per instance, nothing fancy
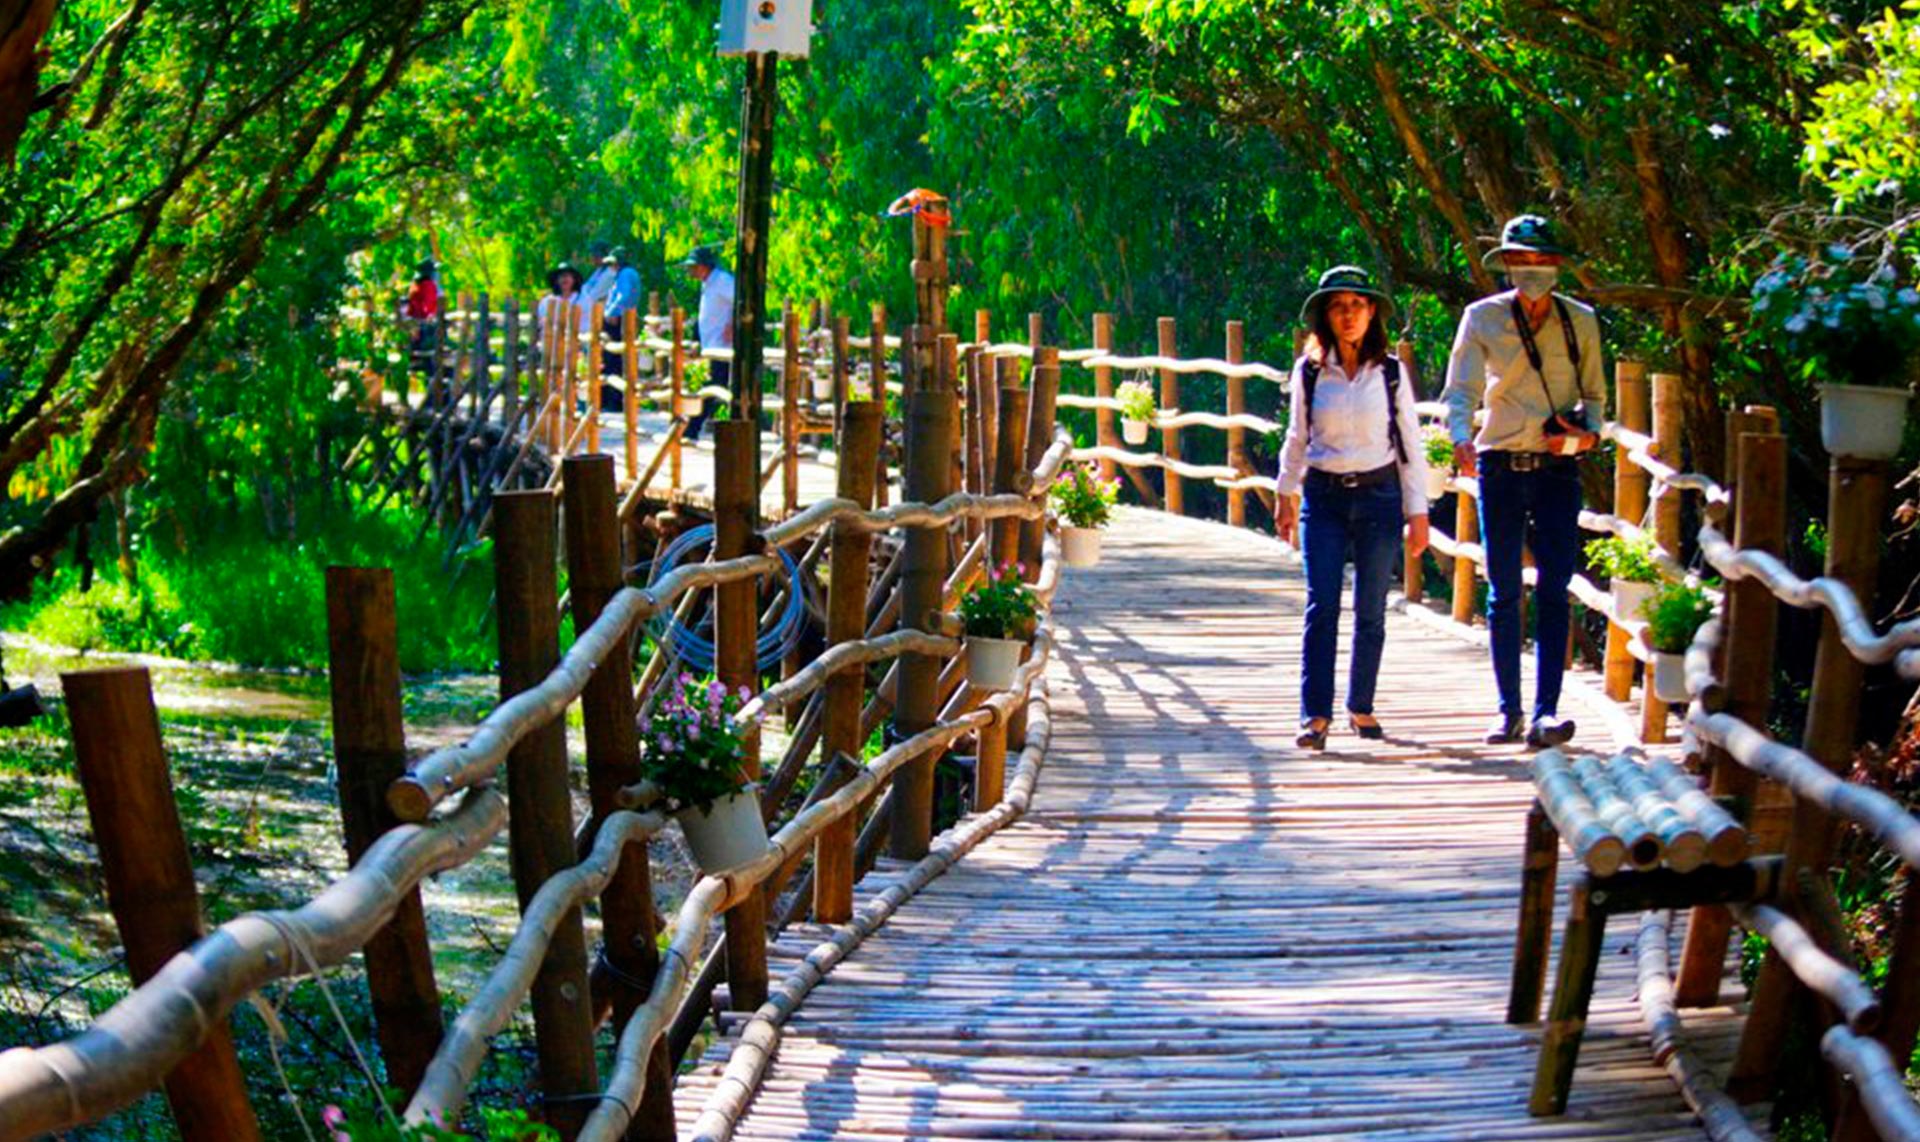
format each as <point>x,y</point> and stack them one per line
<point>1752,614</point>
<point>1533,935</point>
<point>481,357</point>
<point>1103,435</point>
<point>1011,448</point>
<point>150,890</point>
<point>1040,418</point>
<point>510,366</point>
<point>979,473</point>
<point>596,372</point>
<point>540,828</point>
<point>1036,332</point>
<point>1856,501</point>
<point>1630,487</point>
<point>630,332</point>
<point>1237,435</point>
<point>737,628</point>
<point>1580,946</point>
<point>608,712</point>
<point>676,381</point>
<point>370,753</point>
<point>922,583</point>
<point>569,381</point>
<point>833,873</point>
<point>1669,420</point>
<point>790,412</point>
<point>1170,437</point>
<point>877,356</point>
<point>1466,529</point>
<point>549,369</point>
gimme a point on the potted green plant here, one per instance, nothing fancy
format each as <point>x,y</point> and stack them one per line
<point>1630,569</point>
<point>1674,615</point>
<point>695,755</point>
<point>1846,322</point>
<point>1000,615</point>
<point>692,380</point>
<point>1439,447</point>
<point>1136,410</point>
<point>1085,503</point>
<point>821,382</point>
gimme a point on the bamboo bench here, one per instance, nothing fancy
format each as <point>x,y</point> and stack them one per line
<point>1646,837</point>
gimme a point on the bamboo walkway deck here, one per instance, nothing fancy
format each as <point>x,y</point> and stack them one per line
<point>1200,932</point>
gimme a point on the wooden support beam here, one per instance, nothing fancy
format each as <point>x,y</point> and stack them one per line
<point>737,629</point>
<point>149,877</point>
<point>1170,437</point>
<point>1103,434</point>
<point>1237,459</point>
<point>1631,484</point>
<point>929,444</point>
<point>1669,421</point>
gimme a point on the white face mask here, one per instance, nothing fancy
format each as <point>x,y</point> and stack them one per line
<point>1534,282</point>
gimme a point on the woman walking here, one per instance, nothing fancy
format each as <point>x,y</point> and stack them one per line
<point>1353,448</point>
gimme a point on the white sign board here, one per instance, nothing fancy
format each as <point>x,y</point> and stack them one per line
<point>784,26</point>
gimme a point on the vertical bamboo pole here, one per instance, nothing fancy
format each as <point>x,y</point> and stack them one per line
<point>1856,501</point>
<point>1630,488</point>
<point>596,370</point>
<point>1752,616</point>
<point>549,366</point>
<point>609,715</point>
<point>676,381</point>
<point>370,752</point>
<point>877,356</point>
<point>150,890</point>
<point>1170,437</point>
<point>1466,529</point>
<point>737,629</point>
<point>1669,420</point>
<point>540,828</point>
<point>482,358</point>
<point>922,582</point>
<point>790,412</point>
<point>510,367</point>
<point>833,872</point>
<point>630,333</point>
<point>460,332</point>
<point>1103,388</point>
<point>1413,579</point>
<point>1010,452</point>
<point>1036,331</point>
<point>1237,435</point>
<point>1040,418</point>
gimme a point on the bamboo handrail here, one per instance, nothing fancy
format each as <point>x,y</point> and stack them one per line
<point>1881,1083</point>
<point>1174,418</point>
<point>1155,460</point>
<point>1839,984</point>
<point>1658,1010</point>
<point>1213,365</point>
<point>129,1050</point>
<point>841,657</point>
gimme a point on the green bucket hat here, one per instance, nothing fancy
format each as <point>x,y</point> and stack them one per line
<point>702,256</point>
<point>1528,234</point>
<point>1343,279</point>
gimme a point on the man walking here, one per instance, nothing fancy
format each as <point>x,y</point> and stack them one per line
<point>1532,357</point>
<point>714,327</point>
<point>624,295</point>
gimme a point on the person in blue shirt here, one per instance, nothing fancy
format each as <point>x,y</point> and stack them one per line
<point>623,296</point>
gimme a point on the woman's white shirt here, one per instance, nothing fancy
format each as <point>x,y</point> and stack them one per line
<point>582,307</point>
<point>1350,431</point>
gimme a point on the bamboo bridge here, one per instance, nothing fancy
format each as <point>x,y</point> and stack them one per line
<point>1153,917</point>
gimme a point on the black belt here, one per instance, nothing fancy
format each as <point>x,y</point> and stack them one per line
<point>1526,461</point>
<point>1320,477</point>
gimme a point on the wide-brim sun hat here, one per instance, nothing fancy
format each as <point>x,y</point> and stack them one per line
<point>553,275</point>
<point>1528,234</point>
<point>1343,279</point>
<point>701,256</point>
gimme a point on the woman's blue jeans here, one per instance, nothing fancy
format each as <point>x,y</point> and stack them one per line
<point>1539,510</point>
<point>1341,524</point>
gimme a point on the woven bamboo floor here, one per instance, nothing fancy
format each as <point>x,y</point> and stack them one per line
<point>1201,932</point>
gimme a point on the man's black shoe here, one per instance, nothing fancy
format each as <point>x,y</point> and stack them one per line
<point>1548,731</point>
<point>1506,729</point>
<point>19,706</point>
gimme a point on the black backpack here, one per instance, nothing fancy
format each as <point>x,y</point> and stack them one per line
<point>1390,371</point>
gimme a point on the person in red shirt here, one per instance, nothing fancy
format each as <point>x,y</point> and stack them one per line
<point>423,309</point>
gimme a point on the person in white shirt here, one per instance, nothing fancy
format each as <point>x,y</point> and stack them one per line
<point>563,284</point>
<point>1353,447</point>
<point>714,326</point>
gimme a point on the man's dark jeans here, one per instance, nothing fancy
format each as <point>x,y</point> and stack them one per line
<point>1538,510</point>
<point>720,373</point>
<point>1337,524</point>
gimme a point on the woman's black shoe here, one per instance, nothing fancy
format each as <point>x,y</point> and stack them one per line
<point>1310,737</point>
<point>1373,733</point>
<point>1549,731</point>
<point>1506,729</point>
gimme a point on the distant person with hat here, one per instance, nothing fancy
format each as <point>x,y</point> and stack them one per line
<point>1353,447</point>
<point>563,286</point>
<point>714,326</point>
<point>1532,358</point>
<point>624,296</point>
<point>423,309</point>
<point>605,269</point>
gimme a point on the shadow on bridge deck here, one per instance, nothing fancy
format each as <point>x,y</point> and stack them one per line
<point>1199,931</point>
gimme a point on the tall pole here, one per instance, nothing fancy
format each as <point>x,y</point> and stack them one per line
<point>751,223</point>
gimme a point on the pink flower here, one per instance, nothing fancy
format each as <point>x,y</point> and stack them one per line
<point>335,1120</point>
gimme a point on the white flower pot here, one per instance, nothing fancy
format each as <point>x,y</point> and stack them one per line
<point>1630,599</point>
<point>992,662</point>
<point>689,404</point>
<point>727,834</point>
<point>1081,545</point>
<point>822,386</point>
<point>1670,678</point>
<point>1863,420</point>
<point>1437,482</point>
<point>1133,431</point>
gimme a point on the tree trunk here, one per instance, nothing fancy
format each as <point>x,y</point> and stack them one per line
<point>22,24</point>
<point>1444,199</point>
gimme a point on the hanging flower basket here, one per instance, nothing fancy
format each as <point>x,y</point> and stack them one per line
<point>1081,546</point>
<point>726,834</point>
<point>1133,431</point>
<point>1670,678</point>
<point>1866,421</point>
<point>688,404</point>
<point>822,384</point>
<point>1437,483</point>
<point>992,662</point>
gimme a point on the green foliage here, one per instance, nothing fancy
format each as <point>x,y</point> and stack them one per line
<point>1001,606</point>
<point>1439,446</point>
<point>1627,560</point>
<point>1084,499</point>
<point>1838,317</point>
<point>1859,139</point>
<point>694,751</point>
<point>1674,614</point>
<point>1136,400</point>
<point>371,1124</point>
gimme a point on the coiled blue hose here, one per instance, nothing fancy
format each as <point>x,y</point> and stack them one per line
<point>695,649</point>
